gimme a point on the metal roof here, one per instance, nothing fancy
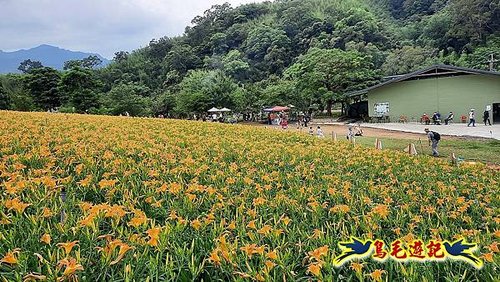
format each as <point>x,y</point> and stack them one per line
<point>439,71</point>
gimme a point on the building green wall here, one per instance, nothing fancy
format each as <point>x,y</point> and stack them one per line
<point>457,94</point>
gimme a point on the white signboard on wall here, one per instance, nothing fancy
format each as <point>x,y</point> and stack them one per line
<point>381,109</point>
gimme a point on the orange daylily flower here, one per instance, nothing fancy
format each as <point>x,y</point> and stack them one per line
<point>124,248</point>
<point>376,275</point>
<point>196,224</point>
<point>68,246</point>
<point>252,249</point>
<point>381,210</point>
<point>154,235</point>
<point>107,183</point>
<point>138,219</point>
<point>488,257</point>
<point>266,229</point>
<point>16,205</point>
<point>272,255</point>
<point>45,238</point>
<point>47,212</point>
<point>232,225</point>
<point>71,266</point>
<point>251,225</point>
<point>356,266</point>
<point>314,268</point>
<point>214,257</point>
<point>318,253</point>
<point>10,257</point>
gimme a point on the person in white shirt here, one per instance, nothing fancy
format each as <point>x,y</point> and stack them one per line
<point>472,118</point>
<point>319,132</point>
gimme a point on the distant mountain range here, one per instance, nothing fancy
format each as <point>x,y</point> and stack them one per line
<point>49,56</point>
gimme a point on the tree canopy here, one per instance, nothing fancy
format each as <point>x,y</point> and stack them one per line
<point>301,52</point>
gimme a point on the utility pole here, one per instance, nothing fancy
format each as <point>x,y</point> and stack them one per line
<point>492,62</point>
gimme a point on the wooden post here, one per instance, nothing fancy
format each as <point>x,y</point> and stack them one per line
<point>411,149</point>
<point>63,211</point>
<point>453,159</point>
<point>378,145</point>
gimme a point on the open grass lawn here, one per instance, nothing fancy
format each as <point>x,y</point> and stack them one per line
<point>482,150</point>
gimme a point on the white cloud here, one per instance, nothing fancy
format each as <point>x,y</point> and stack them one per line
<point>102,26</point>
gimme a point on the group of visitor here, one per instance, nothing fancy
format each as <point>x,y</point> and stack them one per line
<point>472,118</point>
<point>436,118</point>
<point>277,118</point>
<point>319,132</point>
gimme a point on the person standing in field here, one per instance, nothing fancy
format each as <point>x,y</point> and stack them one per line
<point>486,117</point>
<point>319,132</point>
<point>434,139</point>
<point>350,132</point>
<point>311,131</point>
<point>472,118</point>
<point>284,123</point>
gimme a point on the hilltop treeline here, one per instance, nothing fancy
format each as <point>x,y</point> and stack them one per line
<point>308,53</point>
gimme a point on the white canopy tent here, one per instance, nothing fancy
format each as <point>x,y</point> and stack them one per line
<point>214,110</point>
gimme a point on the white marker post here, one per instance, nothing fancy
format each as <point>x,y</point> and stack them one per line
<point>411,149</point>
<point>453,159</point>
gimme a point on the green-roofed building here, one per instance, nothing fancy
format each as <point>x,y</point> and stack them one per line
<point>439,88</point>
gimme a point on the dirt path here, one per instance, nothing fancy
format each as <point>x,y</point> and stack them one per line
<point>341,130</point>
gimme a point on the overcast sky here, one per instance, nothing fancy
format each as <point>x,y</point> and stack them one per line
<point>100,26</point>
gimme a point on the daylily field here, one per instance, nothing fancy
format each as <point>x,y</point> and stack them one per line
<point>94,198</point>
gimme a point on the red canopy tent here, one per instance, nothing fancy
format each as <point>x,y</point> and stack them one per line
<point>280,109</point>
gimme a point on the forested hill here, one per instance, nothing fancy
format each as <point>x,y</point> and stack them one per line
<point>303,52</point>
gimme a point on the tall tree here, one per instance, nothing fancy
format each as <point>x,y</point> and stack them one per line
<point>28,65</point>
<point>267,48</point>
<point>473,21</point>
<point>90,62</point>
<point>80,86</point>
<point>127,98</point>
<point>201,90</point>
<point>182,58</point>
<point>164,104</point>
<point>4,99</point>
<point>19,97</point>
<point>408,59</point>
<point>330,73</point>
<point>43,86</point>
<point>120,56</point>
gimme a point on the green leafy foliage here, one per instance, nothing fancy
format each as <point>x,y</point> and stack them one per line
<point>4,99</point>
<point>202,90</point>
<point>43,86</point>
<point>300,52</point>
<point>326,74</point>
<point>27,66</point>
<point>127,99</point>
<point>80,86</point>
<point>15,90</point>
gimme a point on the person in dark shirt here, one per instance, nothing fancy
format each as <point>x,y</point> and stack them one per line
<point>486,117</point>
<point>449,118</point>
<point>434,138</point>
